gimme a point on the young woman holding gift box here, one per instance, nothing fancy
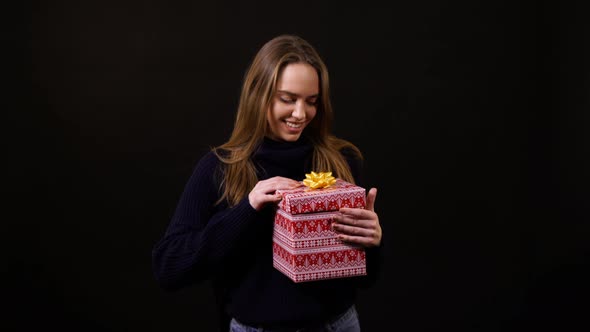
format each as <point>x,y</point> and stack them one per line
<point>222,227</point>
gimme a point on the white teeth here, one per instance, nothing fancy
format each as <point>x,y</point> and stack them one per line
<point>293,125</point>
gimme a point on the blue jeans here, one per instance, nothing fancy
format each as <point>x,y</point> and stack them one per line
<point>346,322</point>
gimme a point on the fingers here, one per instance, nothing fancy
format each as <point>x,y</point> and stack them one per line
<point>271,185</point>
<point>356,219</point>
<point>353,230</point>
<point>264,192</point>
<point>356,213</point>
<point>355,225</point>
<point>359,226</point>
<point>358,240</point>
<point>367,237</point>
<point>371,199</point>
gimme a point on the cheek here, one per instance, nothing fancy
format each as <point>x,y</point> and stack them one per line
<point>277,111</point>
<point>312,113</point>
<point>274,116</point>
<point>274,112</point>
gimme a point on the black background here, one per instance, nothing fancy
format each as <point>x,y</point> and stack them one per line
<point>472,116</point>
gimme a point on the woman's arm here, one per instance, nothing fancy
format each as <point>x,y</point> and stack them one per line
<point>200,235</point>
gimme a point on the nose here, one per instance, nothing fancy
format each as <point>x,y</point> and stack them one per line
<point>299,111</point>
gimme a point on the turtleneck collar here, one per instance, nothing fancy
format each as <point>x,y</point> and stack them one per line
<point>284,157</point>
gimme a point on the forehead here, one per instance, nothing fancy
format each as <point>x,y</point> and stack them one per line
<point>299,78</point>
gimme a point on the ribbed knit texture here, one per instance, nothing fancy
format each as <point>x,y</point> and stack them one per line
<point>233,246</point>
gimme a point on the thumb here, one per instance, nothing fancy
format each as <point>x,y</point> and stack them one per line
<point>371,199</point>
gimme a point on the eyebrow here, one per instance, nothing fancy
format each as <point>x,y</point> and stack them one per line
<point>297,95</point>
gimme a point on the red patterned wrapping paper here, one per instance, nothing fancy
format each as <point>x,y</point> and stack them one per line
<point>306,200</point>
<point>306,249</point>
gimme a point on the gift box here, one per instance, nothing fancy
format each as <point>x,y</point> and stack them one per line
<point>308,200</point>
<point>305,248</point>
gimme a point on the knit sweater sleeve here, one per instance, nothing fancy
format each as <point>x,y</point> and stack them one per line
<point>199,235</point>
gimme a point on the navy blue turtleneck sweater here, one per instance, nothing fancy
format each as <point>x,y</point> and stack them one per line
<point>233,247</point>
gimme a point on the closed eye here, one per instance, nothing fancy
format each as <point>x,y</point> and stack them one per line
<point>287,100</point>
<point>288,97</point>
<point>312,102</point>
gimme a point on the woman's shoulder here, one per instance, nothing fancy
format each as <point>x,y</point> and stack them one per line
<point>354,159</point>
<point>348,149</point>
<point>352,155</point>
<point>350,152</point>
<point>208,164</point>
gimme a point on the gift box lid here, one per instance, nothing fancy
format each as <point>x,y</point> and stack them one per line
<point>307,200</point>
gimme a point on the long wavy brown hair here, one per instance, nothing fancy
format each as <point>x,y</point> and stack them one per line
<point>250,127</point>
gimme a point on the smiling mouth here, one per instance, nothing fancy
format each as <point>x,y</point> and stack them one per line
<point>294,125</point>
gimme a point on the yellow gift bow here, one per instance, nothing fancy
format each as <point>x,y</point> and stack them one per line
<point>319,180</point>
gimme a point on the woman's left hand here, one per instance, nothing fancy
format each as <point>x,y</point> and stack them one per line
<point>359,226</point>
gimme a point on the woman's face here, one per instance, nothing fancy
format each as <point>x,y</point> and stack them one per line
<point>295,102</point>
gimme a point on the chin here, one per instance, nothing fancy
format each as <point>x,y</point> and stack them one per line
<point>290,138</point>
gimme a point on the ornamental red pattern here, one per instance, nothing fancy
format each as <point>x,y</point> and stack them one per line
<point>306,230</point>
<point>305,200</point>
<point>305,248</point>
<point>347,262</point>
<point>304,225</point>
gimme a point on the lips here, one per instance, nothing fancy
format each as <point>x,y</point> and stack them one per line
<point>294,125</point>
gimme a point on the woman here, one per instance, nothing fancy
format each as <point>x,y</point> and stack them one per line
<point>222,227</point>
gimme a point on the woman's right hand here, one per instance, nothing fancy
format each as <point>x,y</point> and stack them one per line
<point>264,192</point>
